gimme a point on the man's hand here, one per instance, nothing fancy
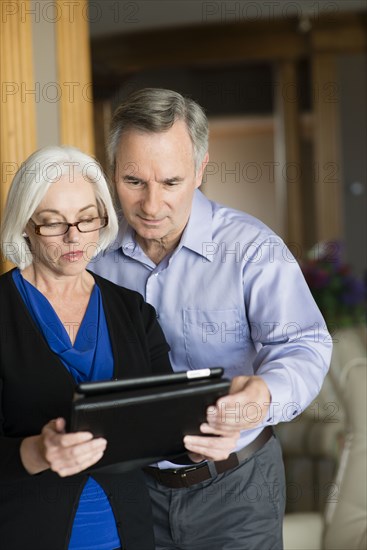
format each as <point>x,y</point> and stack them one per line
<point>244,408</point>
<point>216,445</point>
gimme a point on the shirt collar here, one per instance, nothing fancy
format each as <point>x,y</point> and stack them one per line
<point>126,236</point>
<point>197,231</point>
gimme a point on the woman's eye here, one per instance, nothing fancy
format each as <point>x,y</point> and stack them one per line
<point>53,224</point>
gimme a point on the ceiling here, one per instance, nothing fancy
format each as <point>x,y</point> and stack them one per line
<point>116,16</point>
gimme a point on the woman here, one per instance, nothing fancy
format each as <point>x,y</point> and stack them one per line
<point>61,325</point>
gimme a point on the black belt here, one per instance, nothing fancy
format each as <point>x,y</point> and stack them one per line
<point>185,477</point>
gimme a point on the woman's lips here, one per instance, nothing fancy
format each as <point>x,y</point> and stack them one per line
<point>73,256</point>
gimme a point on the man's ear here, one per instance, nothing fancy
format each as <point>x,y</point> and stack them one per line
<point>200,172</point>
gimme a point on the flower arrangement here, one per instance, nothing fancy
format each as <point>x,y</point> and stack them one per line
<point>340,295</point>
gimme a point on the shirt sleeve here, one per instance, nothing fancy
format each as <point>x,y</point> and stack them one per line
<point>290,335</point>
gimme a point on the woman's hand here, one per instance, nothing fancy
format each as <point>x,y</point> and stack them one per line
<point>64,453</point>
<point>216,445</point>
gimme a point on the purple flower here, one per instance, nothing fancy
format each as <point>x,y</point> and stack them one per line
<point>321,279</point>
<point>354,292</point>
<point>340,295</point>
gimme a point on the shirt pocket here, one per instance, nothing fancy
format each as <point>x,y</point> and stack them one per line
<point>215,338</point>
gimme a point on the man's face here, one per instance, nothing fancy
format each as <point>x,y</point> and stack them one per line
<point>155,180</point>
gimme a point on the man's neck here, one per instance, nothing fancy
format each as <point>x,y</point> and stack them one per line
<point>158,249</point>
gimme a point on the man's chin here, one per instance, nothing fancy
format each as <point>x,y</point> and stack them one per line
<point>150,230</point>
<point>149,233</point>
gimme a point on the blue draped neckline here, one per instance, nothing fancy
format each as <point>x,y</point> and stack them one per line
<point>90,358</point>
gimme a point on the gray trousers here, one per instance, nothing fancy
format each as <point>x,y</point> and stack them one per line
<point>241,509</point>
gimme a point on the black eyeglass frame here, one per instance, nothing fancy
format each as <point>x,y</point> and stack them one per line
<point>37,227</point>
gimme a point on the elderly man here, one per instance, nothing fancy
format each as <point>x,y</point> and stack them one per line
<point>227,293</point>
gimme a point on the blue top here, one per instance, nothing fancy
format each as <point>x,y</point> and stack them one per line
<point>90,358</point>
<point>232,295</point>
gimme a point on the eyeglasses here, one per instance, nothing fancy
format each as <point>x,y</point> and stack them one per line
<point>61,228</point>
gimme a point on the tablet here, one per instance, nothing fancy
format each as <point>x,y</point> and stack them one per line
<point>116,385</point>
<point>145,419</point>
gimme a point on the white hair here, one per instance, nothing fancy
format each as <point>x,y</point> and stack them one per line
<point>31,183</point>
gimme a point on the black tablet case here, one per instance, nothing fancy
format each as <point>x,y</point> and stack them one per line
<point>146,424</point>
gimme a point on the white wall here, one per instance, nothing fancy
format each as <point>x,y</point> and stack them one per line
<point>241,169</point>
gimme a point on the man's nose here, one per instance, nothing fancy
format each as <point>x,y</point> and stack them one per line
<point>151,201</point>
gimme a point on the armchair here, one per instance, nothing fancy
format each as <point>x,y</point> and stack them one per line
<point>342,524</point>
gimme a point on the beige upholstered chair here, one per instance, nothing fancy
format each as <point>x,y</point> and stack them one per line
<point>342,524</point>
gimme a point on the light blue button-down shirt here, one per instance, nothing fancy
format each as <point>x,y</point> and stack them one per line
<point>231,295</point>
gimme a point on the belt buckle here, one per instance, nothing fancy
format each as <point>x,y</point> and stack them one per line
<point>182,473</point>
<point>184,469</point>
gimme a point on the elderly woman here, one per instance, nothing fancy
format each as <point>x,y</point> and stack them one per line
<point>61,325</point>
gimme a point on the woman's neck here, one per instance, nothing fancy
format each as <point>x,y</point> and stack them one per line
<point>53,284</point>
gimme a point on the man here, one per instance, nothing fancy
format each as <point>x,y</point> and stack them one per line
<point>227,293</point>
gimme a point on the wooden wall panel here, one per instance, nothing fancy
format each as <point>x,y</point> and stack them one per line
<point>17,107</point>
<point>327,153</point>
<point>74,77</point>
<point>287,154</point>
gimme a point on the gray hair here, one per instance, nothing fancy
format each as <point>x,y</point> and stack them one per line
<point>156,110</point>
<point>30,185</point>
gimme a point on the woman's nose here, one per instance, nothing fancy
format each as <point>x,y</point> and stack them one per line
<point>72,235</point>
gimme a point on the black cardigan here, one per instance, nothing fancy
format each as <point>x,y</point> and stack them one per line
<point>37,511</point>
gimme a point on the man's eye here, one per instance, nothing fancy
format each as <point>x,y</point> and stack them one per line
<point>130,181</point>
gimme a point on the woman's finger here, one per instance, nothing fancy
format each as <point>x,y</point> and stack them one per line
<point>55,439</point>
<point>76,457</point>
<point>75,468</point>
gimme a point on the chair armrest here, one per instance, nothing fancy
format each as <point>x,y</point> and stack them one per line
<point>303,531</point>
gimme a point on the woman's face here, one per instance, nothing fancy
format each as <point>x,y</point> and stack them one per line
<point>65,201</point>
